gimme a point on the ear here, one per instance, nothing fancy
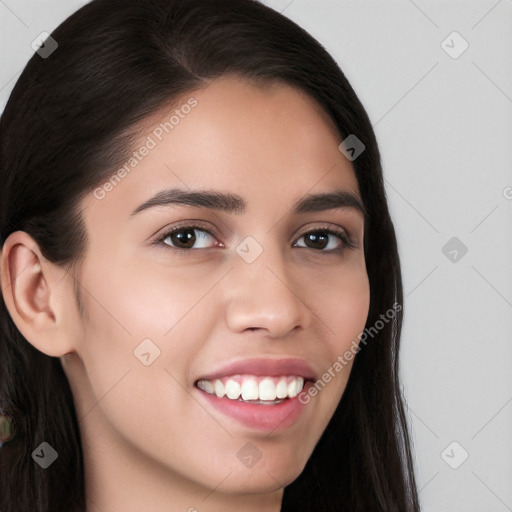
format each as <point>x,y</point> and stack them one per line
<point>36,294</point>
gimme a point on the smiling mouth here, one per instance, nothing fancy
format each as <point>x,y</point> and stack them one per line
<point>260,394</point>
<point>263,390</point>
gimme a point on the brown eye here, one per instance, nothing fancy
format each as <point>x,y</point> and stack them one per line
<point>188,237</point>
<point>316,240</point>
<point>326,240</point>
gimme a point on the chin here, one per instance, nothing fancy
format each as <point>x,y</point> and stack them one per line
<point>264,477</point>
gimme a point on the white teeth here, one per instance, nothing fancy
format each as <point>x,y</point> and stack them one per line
<point>300,385</point>
<point>233,389</point>
<point>282,388</point>
<point>252,388</point>
<point>267,389</point>
<point>207,386</point>
<point>295,386</point>
<point>218,386</point>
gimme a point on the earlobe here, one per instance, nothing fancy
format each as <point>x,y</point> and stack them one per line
<point>30,291</point>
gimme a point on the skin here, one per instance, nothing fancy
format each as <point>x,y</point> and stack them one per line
<point>150,442</point>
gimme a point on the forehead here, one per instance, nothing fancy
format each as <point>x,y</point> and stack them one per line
<point>269,143</point>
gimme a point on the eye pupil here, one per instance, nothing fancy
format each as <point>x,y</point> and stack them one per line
<point>317,240</point>
<point>184,236</point>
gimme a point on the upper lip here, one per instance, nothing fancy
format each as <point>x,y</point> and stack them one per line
<point>260,367</point>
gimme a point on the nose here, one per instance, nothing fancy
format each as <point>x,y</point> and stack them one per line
<point>265,295</point>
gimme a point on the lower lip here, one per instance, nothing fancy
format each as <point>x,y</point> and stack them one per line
<point>262,417</point>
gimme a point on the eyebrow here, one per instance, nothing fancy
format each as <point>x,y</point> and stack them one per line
<point>233,203</point>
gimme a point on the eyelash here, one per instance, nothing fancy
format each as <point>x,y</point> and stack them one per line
<point>347,243</point>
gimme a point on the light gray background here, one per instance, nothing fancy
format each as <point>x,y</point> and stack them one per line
<point>444,126</point>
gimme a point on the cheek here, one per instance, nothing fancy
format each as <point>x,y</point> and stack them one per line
<point>134,308</point>
<point>342,303</point>
<point>138,300</point>
<point>349,314</point>
<point>343,307</point>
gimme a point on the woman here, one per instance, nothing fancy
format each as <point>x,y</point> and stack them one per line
<point>197,254</point>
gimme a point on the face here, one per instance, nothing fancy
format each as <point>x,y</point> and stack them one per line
<point>253,288</point>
